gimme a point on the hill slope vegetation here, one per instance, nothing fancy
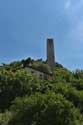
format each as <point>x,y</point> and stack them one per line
<point>27,100</point>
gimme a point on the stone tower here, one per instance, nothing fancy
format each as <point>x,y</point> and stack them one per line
<point>50,53</point>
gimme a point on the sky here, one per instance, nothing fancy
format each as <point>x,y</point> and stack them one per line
<point>25,26</point>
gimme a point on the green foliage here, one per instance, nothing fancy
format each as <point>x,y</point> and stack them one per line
<point>27,62</point>
<point>15,84</point>
<point>42,67</point>
<point>44,109</point>
<point>70,93</point>
<point>77,83</point>
<point>62,75</point>
<point>5,117</point>
<point>26,100</point>
<point>78,74</point>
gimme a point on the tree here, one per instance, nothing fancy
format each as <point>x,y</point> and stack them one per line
<point>70,93</point>
<point>42,67</point>
<point>44,109</point>
<point>15,84</point>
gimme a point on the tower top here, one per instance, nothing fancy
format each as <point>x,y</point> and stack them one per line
<point>49,38</point>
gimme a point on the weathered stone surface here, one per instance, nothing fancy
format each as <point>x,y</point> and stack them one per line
<point>50,53</point>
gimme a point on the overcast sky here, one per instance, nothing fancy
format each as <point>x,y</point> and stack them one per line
<point>26,24</point>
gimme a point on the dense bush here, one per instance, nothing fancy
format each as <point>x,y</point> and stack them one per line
<point>24,99</point>
<point>15,84</point>
<point>44,109</point>
<point>70,93</point>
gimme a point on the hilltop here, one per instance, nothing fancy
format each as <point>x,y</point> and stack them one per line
<point>26,99</point>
